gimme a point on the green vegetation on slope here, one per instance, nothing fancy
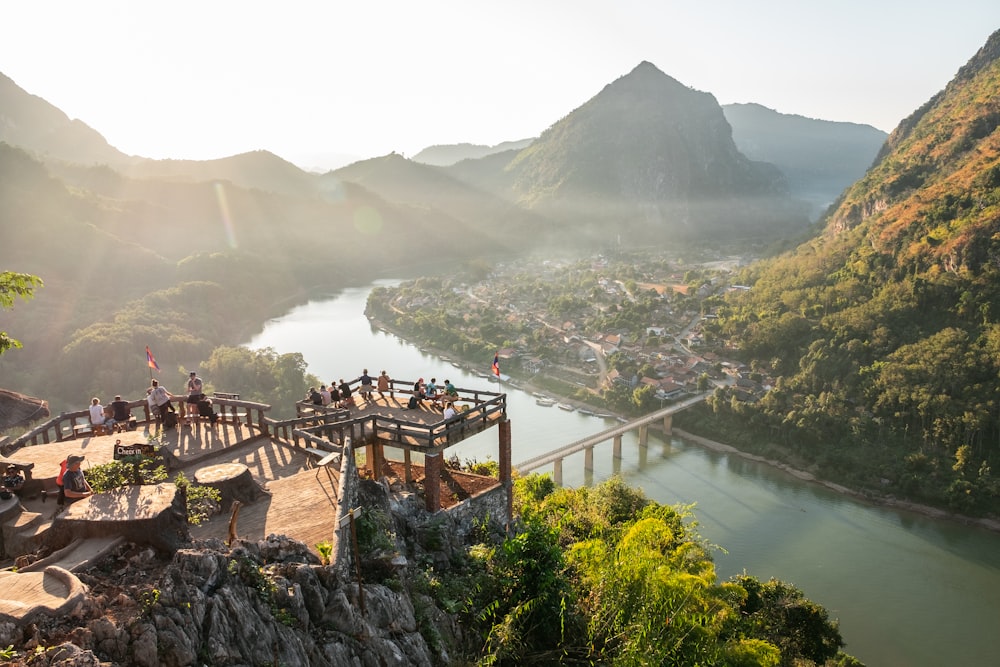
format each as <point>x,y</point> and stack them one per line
<point>883,333</point>
<point>603,575</point>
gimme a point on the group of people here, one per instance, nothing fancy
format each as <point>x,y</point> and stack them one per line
<point>116,413</point>
<point>196,404</point>
<point>440,396</point>
<point>341,395</point>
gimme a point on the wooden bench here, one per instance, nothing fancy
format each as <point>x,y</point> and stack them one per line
<point>81,430</point>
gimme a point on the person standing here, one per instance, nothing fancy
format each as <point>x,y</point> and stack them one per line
<point>345,394</point>
<point>367,385</point>
<point>74,485</point>
<point>195,389</point>
<point>164,407</point>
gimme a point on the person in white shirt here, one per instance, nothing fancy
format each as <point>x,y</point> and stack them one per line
<point>97,417</point>
<point>449,412</point>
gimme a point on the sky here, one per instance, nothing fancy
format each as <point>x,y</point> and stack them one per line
<point>322,83</point>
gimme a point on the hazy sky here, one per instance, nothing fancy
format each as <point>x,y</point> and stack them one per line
<point>305,79</point>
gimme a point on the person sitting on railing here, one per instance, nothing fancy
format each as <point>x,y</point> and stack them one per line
<point>449,395</point>
<point>383,384</point>
<point>315,397</point>
<point>431,390</point>
<point>324,391</point>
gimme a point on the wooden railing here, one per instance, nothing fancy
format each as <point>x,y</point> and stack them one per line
<point>336,425</point>
<point>485,409</point>
<point>60,427</point>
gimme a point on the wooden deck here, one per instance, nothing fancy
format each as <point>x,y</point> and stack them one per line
<point>301,500</point>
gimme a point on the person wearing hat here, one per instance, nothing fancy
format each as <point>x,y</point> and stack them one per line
<point>74,485</point>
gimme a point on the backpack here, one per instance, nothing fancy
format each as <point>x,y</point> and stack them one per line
<point>412,402</point>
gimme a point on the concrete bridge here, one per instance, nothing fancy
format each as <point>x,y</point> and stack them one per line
<point>586,445</point>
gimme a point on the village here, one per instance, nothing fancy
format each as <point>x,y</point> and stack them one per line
<point>589,330</point>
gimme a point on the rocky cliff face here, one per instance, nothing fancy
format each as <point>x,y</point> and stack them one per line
<point>269,602</point>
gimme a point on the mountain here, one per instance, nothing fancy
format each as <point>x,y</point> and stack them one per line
<point>449,154</point>
<point>884,331</point>
<point>655,160</point>
<point>35,125</point>
<point>460,207</point>
<point>819,158</point>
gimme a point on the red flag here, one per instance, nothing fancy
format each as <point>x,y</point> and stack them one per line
<point>150,361</point>
<point>496,364</point>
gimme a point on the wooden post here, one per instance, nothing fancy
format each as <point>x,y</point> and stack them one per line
<point>432,482</point>
<point>351,514</point>
<point>505,465</point>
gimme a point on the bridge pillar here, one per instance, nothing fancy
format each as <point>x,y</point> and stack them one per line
<point>432,482</point>
<point>644,435</point>
<point>588,459</point>
<point>557,472</point>
<point>668,423</point>
<point>616,448</point>
<point>505,466</point>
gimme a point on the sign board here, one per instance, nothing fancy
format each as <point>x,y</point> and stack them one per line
<point>351,516</point>
<point>136,449</point>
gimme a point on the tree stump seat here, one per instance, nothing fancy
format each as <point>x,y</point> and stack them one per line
<point>232,480</point>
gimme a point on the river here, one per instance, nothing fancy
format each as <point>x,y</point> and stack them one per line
<point>908,590</point>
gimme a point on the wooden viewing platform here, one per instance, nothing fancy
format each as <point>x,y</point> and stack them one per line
<point>296,463</point>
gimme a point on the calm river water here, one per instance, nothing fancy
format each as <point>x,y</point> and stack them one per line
<point>909,591</point>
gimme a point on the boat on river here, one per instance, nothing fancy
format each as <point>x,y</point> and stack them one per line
<point>545,402</point>
<point>566,406</point>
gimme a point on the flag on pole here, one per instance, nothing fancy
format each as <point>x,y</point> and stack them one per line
<point>496,364</point>
<point>150,361</point>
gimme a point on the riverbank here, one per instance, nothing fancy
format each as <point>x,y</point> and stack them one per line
<point>885,501</point>
<point>925,510</point>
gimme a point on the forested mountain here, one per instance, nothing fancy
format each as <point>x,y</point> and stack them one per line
<point>181,266</point>
<point>32,123</point>
<point>112,234</point>
<point>883,333</point>
<point>455,204</point>
<point>448,154</point>
<point>820,158</point>
<point>656,159</point>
